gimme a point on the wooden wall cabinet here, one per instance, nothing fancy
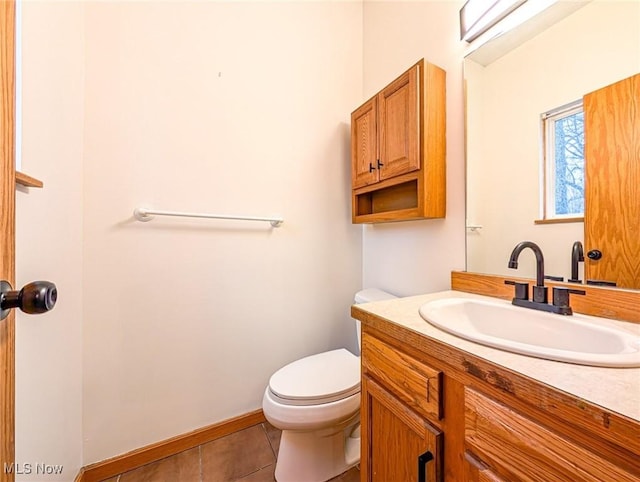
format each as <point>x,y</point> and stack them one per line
<point>480,422</point>
<point>398,149</point>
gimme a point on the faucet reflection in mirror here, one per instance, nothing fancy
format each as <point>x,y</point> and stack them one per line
<point>577,256</point>
<point>560,303</point>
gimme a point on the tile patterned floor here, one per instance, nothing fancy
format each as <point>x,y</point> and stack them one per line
<point>245,456</point>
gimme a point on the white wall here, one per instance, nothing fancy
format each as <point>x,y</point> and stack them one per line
<point>414,257</point>
<point>594,47</point>
<point>245,111</point>
<point>49,240</point>
<point>229,107</point>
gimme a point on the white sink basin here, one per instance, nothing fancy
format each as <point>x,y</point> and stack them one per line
<point>575,339</point>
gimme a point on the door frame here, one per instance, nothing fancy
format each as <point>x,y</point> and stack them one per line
<point>7,235</point>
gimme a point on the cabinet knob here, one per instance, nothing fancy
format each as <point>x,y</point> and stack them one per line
<point>371,168</point>
<point>594,254</point>
<point>380,164</point>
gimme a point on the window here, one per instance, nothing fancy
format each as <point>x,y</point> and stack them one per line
<point>563,149</point>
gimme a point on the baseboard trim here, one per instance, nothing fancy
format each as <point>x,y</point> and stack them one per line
<point>159,450</point>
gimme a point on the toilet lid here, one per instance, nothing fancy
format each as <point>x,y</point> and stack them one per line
<point>322,378</point>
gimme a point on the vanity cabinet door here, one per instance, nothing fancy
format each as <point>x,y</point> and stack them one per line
<point>513,444</point>
<point>398,445</point>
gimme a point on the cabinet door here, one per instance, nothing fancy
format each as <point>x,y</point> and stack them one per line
<point>398,445</point>
<point>612,166</point>
<point>399,111</point>
<point>364,145</point>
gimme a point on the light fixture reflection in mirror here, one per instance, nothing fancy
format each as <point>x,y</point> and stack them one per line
<point>591,48</point>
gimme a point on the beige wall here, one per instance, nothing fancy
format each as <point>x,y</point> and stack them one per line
<point>417,257</point>
<point>246,111</point>
<point>49,241</point>
<point>223,107</point>
<point>594,47</point>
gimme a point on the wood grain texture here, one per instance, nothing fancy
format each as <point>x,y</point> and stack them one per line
<point>612,177</point>
<point>396,436</point>
<point>151,453</point>
<point>399,129</point>
<point>411,145</point>
<point>7,233</point>
<point>478,471</point>
<point>433,134</point>
<point>612,303</point>
<point>364,144</point>
<point>611,435</point>
<point>27,181</point>
<point>414,383</point>
<point>528,451</point>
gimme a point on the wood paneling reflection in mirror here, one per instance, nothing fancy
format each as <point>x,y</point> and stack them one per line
<point>612,209</point>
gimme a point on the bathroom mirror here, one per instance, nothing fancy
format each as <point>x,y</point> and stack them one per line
<point>590,48</point>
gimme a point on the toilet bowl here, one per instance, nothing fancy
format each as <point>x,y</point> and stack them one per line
<point>315,401</point>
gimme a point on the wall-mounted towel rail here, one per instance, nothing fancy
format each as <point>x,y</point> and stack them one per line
<point>146,214</point>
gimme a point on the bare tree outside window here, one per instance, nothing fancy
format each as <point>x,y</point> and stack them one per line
<point>569,165</point>
<point>563,183</point>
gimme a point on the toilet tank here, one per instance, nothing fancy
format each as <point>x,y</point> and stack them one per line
<point>366,296</point>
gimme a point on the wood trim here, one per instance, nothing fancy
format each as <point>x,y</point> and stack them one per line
<point>7,233</point>
<point>160,450</point>
<point>612,303</point>
<point>433,134</point>
<point>27,181</point>
<point>559,220</point>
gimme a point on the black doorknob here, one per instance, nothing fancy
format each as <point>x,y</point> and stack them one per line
<point>594,254</point>
<point>35,297</point>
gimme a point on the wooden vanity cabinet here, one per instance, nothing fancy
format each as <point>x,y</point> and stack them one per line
<point>481,422</point>
<point>398,149</point>
<point>401,396</point>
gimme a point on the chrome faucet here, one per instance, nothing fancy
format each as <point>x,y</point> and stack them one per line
<point>539,290</point>
<point>577,255</point>
<point>560,303</point>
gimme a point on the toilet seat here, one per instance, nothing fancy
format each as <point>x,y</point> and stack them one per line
<point>317,379</point>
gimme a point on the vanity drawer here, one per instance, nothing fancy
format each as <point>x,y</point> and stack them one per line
<point>414,383</point>
<point>518,446</point>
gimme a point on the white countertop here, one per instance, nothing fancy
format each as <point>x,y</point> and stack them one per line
<point>616,389</point>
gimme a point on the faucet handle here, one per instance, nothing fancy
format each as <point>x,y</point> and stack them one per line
<point>554,278</point>
<point>561,297</point>
<point>522,289</point>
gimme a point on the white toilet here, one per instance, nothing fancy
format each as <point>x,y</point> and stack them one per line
<point>315,401</point>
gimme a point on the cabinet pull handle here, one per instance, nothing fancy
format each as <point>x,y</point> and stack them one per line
<point>380,164</point>
<point>371,168</point>
<point>422,465</point>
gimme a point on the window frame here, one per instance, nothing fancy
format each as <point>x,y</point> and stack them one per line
<point>548,165</point>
